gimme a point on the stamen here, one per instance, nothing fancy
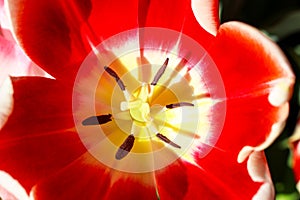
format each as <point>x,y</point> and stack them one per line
<point>115,76</point>
<point>125,148</point>
<point>160,72</point>
<point>96,120</point>
<point>167,140</point>
<point>180,104</point>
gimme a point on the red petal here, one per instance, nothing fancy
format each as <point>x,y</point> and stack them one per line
<point>108,18</point>
<point>95,182</point>
<point>38,138</point>
<point>59,38</point>
<point>172,181</point>
<point>56,34</point>
<point>296,161</point>
<point>258,84</point>
<point>178,181</point>
<point>218,176</point>
<point>247,60</point>
<point>295,149</point>
<point>85,178</point>
<point>133,186</point>
<point>249,121</point>
<point>175,15</point>
<point>222,178</point>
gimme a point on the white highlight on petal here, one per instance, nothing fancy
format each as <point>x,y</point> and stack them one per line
<point>11,189</point>
<point>257,166</point>
<point>6,101</point>
<point>280,93</point>
<point>259,172</point>
<point>266,192</point>
<point>205,15</point>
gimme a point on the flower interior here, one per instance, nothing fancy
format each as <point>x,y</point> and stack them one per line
<point>140,108</point>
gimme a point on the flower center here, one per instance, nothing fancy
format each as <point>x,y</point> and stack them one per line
<point>139,108</point>
<point>140,111</point>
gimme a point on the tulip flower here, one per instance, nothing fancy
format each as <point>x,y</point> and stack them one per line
<point>295,149</point>
<point>151,100</point>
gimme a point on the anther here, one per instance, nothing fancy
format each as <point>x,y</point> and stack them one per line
<point>167,140</point>
<point>180,104</point>
<point>115,76</point>
<point>125,148</point>
<point>96,120</point>
<point>160,72</point>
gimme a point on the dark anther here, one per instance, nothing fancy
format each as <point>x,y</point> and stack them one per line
<point>160,72</point>
<point>96,120</point>
<point>180,104</point>
<point>125,148</point>
<point>115,76</point>
<point>167,140</point>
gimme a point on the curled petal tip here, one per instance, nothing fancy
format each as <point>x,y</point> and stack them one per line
<point>244,154</point>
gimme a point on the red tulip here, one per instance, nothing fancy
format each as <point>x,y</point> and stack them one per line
<point>295,149</point>
<point>151,100</point>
